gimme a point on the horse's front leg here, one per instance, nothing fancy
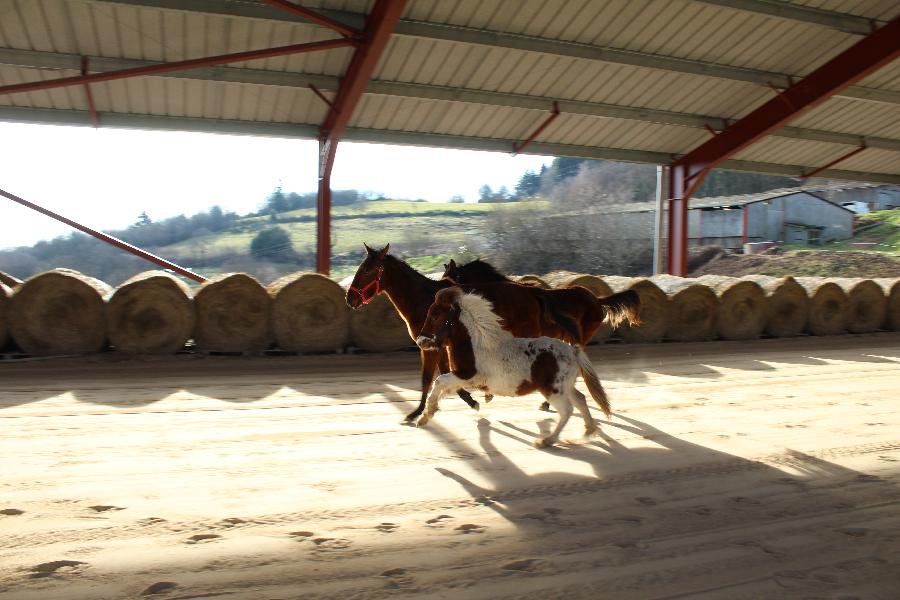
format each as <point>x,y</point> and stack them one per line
<point>442,384</point>
<point>444,367</point>
<point>429,363</point>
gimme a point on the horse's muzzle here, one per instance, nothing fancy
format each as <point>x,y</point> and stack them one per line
<point>427,343</point>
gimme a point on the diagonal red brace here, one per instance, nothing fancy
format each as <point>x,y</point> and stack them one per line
<point>553,114</point>
<point>832,163</point>
<point>107,238</point>
<point>182,65</point>
<point>342,28</point>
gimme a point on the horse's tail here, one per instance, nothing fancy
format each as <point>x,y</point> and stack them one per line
<point>622,307</point>
<point>550,313</point>
<point>592,381</point>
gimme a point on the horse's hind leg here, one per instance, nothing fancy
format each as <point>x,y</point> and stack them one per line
<point>564,407</point>
<point>580,402</point>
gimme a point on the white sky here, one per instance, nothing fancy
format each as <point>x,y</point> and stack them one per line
<point>105,178</point>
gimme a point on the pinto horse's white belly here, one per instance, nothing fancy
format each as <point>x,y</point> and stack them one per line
<point>503,370</point>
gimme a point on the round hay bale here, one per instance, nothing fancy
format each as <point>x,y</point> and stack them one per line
<point>5,293</point>
<point>234,314</point>
<point>827,306</point>
<point>151,313</point>
<point>692,308</point>
<point>533,280</point>
<point>742,307</point>
<point>866,304</point>
<point>787,305</point>
<point>309,313</point>
<point>654,311</point>
<point>891,288</point>
<point>59,312</point>
<point>595,285</point>
<point>9,281</point>
<point>378,327</point>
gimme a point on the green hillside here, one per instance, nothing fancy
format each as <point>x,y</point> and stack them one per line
<point>431,231</point>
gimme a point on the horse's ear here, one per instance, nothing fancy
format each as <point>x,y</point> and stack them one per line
<point>452,264</point>
<point>383,252</point>
<point>369,251</point>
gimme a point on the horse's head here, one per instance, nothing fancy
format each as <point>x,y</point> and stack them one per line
<point>443,315</point>
<point>476,271</point>
<point>367,281</point>
<point>451,271</point>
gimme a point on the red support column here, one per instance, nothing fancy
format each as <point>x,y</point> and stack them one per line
<point>380,25</point>
<point>689,171</point>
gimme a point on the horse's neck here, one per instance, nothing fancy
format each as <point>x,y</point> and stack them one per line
<point>410,291</point>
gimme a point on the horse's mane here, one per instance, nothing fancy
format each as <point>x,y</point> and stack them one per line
<point>482,271</point>
<point>483,324</point>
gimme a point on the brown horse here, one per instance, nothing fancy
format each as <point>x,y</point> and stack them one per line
<point>525,311</point>
<point>577,303</point>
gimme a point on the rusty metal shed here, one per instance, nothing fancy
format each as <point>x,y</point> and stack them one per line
<point>782,87</point>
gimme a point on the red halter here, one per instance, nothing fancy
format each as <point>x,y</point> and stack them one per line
<point>376,283</point>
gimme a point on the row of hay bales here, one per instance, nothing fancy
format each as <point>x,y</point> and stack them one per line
<point>66,312</point>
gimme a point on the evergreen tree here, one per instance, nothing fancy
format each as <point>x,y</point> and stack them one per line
<point>485,193</point>
<point>529,184</point>
<point>143,220</point>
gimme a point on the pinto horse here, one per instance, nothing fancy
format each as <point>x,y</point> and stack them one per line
<point>485,356</point>
<point>587,311</point>
<point>525,312</point>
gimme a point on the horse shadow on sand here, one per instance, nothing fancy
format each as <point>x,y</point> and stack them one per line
<point>621,498</point>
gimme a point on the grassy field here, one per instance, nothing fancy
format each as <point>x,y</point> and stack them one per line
<point>433,232</point>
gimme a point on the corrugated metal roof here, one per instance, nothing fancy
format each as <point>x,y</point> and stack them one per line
<point>636,79</point>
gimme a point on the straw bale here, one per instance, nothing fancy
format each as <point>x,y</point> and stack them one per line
<point>309,313</point>
<point>59,312</point>
<point>5,293</point>
<point>234,314</point>
<point>9,281</point>
<point>866,304</point>
<point>533,280</point>
<point>595,285</point>
<point>742,307</point>
<point>692,308</point>
<point>891,288</point>
<point>827,306</point>
<point>654,311</point>
<point>151,313</point>
<point>787,305</point>
<point>378,327</point>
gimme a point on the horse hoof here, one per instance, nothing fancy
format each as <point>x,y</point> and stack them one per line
<point>422,422</point>
<point>545,407</point>
<point>488,398</point>
<point>589,431</point>
<point>476,407</point>
<point>543,443</point>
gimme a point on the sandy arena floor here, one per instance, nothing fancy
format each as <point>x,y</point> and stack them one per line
<point>765,469</point>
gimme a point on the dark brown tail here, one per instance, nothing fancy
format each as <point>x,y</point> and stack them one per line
<point>622,307</point>
<point>593,382</point>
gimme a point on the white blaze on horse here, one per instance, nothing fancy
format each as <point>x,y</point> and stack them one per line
<point>485,356</point>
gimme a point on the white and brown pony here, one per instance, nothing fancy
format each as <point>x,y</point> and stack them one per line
<point>483,355</point>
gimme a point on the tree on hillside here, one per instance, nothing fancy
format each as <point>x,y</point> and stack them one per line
<point>142,220</point>
<point>485,193</point>
<point>272,244</point>
<point>529,185</point>
<point>276,202</point>
<point>457,199</point>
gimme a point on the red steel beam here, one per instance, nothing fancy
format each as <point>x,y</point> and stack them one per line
<point>95,119</point>
<point>553,114</point>
<point>379,25</point>
<point>107,238</point>
<point>688,172</point>
<point>182,65</point>
<point>832,163</point>
<point>342,28</point>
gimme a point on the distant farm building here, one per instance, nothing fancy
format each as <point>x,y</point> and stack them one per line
<point>811,215</point>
